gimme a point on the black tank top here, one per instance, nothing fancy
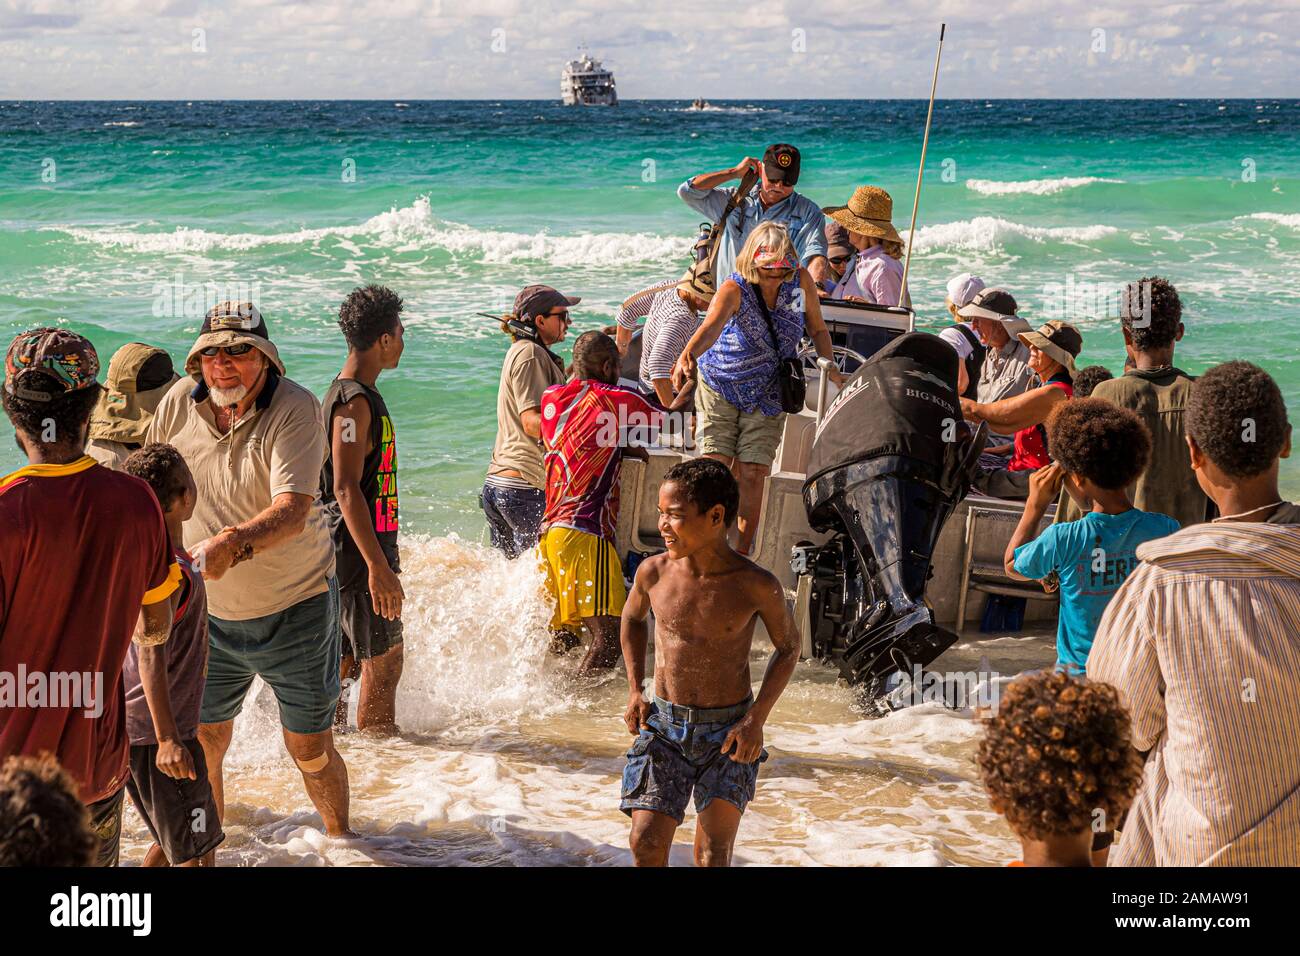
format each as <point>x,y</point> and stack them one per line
<point>378,472</point>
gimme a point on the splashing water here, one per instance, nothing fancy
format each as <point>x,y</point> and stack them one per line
<point>505,759</point>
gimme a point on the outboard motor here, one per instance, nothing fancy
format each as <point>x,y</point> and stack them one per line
<point>891,459</point>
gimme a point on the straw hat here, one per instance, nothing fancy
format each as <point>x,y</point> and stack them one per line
<point>698,281</point>
<point>868,213</point>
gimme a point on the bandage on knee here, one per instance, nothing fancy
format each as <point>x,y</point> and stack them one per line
<point>315,764</point>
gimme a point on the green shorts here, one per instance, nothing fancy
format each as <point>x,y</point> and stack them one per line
<point>296,651</point>
<point>723,429</point>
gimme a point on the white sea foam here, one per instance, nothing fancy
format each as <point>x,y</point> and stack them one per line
<point>408,228</point>
<point>124,123</point>
<point>1033,187</point>
<point>985,233</point>
<point>1290,220</point>
<point>710,108</point>
<point>504,760</point>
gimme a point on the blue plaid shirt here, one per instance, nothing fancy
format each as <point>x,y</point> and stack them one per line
<point>801,217</point>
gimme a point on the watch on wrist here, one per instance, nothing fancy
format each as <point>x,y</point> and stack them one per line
<point>243,551</point>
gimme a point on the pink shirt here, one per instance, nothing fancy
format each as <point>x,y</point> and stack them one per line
<point>873,275</point>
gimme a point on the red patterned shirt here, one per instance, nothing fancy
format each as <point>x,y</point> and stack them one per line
<point>584,425</point>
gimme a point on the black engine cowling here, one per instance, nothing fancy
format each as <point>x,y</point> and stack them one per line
<point>891,460</point>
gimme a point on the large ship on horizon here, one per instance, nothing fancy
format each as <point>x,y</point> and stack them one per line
<point>585,82</point>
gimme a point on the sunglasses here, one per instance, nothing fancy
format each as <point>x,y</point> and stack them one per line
<point>839,260</point>
<point>562,315</point>
<point>233,351</point>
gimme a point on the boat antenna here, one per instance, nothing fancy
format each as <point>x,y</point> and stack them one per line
<point>920,174</point>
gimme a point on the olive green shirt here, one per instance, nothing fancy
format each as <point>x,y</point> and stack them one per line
<point>1168,486</point>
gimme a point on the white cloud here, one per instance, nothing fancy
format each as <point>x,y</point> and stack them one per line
<point>672,48</point>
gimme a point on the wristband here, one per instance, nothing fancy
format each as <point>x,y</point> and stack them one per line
<point>242,551</point>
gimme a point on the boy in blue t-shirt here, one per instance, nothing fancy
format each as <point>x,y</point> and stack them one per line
<point>1099,450</point>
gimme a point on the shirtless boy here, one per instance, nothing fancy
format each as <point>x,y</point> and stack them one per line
<point>703,730</point>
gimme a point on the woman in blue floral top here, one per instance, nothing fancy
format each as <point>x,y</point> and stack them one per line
<point>737,398</point>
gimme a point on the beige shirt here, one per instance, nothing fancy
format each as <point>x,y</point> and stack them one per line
<point>1203,644</point>
<point>528,371</point>
<point>276,449</point>
<point>110,454</point>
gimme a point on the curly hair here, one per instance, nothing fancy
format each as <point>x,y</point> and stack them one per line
<point>367,314</point>
<point>42,823</point>
<point>1150,312</point>
<point>705,483</point>
<point>1237,416</point>
<point>1057,751</point>
<point>1094,438</point>
<point>1086,379</point>
<point>68,414</point>
<point>161,467</point>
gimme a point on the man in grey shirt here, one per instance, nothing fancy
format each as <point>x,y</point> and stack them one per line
<point>1006,370</point>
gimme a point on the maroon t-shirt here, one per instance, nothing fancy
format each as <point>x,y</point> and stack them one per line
<point>187,664</point>
<point>81,549</point>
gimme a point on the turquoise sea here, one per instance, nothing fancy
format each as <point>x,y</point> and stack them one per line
<point>117,219</point>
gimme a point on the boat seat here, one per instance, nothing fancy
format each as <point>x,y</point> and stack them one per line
<point>797,436</point>
<point>982,570</point>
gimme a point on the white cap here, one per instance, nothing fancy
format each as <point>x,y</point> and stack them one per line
<point>963,288</point>
<point>958,341</point>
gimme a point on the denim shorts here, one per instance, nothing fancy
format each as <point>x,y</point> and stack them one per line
<point>680,755</point>
<point>296,651</point>
<point>514,517</point>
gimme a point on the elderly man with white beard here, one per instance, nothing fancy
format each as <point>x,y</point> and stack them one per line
<point>255,443</point>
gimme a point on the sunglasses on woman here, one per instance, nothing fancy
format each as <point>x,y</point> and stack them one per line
<point>233,351</point>
<point>562,315</point>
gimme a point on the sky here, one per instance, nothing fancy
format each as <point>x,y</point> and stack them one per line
<point>780,49</point>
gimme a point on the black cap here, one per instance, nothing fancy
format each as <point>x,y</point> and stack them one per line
<point>990,303</point>
<point>235,317</point>
<point>781,163</point>
<point>537,300</point>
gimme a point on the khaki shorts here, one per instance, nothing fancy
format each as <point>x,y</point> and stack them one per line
<point>723,429</point>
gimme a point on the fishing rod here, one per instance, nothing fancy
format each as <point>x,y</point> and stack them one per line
<point>920,174</point>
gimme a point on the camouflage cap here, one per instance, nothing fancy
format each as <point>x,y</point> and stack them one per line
<point>45,364</point>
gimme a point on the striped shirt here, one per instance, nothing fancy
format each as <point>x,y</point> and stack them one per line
<point>1203,644</point>
<point>670,326</point>
<point>637,306</point>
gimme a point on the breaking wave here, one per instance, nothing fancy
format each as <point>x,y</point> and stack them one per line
<point>410,227</point>
<point>1290,220</point>
<point>1033,187</point>
<point>985,233</point>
